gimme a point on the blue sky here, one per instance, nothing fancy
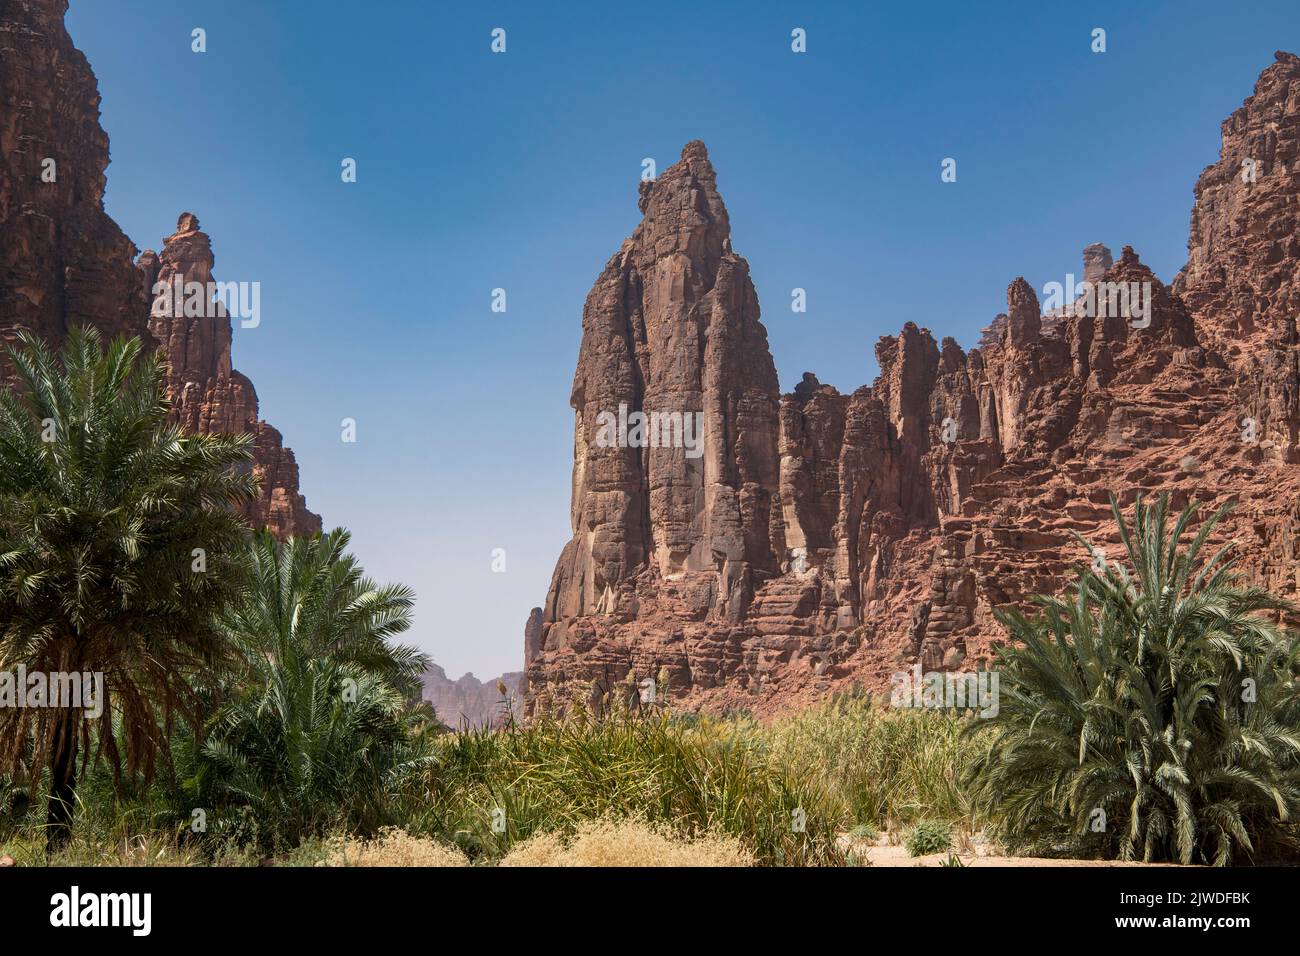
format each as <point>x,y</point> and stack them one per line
<point>519,170</point>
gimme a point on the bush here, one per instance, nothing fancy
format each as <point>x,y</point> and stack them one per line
<point>929,836</point>
<point>1153,715</point>
<point>392,847</point>
<point>864,831</point>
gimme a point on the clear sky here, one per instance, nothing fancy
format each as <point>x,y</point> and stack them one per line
<point>519,170</point>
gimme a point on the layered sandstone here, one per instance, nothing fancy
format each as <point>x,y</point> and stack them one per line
<point>65,263</point>
<point>671,327</point>
<point>208,395</point>
<point>824,540</point>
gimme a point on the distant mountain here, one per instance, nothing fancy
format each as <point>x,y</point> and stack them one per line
<point>469,702</point>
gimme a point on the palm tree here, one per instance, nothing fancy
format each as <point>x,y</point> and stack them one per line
<point>315,726</point>
<point>118,542</point>
<point>1152,715</point>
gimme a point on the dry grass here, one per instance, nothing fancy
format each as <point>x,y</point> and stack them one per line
<point>85,850</point>
<point>609,842</point>
<point>393,847</point>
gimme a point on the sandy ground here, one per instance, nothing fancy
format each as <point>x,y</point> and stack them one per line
<point>887,850</point>
<point>897,856</point>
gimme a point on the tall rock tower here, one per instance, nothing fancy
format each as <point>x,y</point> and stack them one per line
<point>671,330</point>
<point>65,263</point>
<point>208,395</point>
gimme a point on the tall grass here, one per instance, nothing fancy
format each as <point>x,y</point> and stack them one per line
<point>628,842</point>
<point>553,776</point>
<point>876,766</point>
<point>782,790</point>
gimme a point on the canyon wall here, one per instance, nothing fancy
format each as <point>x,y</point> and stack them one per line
<point>65,263</point>
<point>820,540</point>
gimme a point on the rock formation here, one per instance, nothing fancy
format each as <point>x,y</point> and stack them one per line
<point>467,702</point>
<point>207,394</point>
<point>822,540</point>
<point>65,263</point>
<point>1096,261</point>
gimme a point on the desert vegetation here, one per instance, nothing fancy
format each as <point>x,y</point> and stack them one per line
<point>105,512</point>
<point>259,706</point>
<point>1152,714</point>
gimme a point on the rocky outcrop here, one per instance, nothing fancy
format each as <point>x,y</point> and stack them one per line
<point>671,332</point>
<point>193,329</point>
<point>65,263</point>
<point>1096,262</point>
<point>468,702</point>
<point>1241,275</point>
<point>822,540</point>
<point>532,635</point>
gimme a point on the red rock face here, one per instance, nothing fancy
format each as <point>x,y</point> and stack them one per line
<point>1241,276</point>
<point>207,394</point>
<point>671,329</point>
<point>825,540</point>
<point>65,263</point>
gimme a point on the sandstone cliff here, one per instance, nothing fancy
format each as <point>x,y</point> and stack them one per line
<point>822,540</point>
<point>207,394</point>
<point>64,262</point>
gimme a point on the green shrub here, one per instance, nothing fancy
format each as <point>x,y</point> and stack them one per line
<point>864,831</point>
<point>929,836</point>
<point>1152,715</point>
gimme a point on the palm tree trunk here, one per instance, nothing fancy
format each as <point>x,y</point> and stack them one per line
<point>63,782</point>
